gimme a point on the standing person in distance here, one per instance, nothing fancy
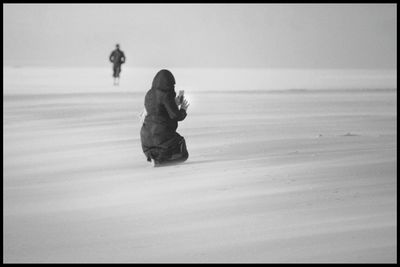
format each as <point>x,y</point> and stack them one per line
<point>117,57</point>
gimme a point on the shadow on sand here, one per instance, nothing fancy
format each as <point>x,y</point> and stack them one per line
<point>199,161</point>
<point>189,162</point>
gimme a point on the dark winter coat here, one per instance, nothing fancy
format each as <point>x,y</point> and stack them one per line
<point>158,134</point>
<point>117,57</point>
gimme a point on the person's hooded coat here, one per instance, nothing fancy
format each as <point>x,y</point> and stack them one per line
<point>158,134</point>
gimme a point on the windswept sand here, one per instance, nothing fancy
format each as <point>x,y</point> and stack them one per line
<point>291,176</point>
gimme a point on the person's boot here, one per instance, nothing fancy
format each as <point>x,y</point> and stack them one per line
<point>155,163</point>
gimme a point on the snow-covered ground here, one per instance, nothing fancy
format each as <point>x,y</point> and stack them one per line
<point>272,176</point>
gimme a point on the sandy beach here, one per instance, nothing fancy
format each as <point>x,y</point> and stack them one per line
<point>272,176</point>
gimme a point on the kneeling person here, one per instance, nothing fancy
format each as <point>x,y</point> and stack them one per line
<point>160,142</point>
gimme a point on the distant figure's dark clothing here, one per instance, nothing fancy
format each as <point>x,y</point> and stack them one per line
<point>117,57</point>
<point>160,141</point>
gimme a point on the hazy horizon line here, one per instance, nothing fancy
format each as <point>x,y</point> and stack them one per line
<point>16,66</point>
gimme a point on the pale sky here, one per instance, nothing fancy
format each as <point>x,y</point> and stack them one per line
<point>202,35</point>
